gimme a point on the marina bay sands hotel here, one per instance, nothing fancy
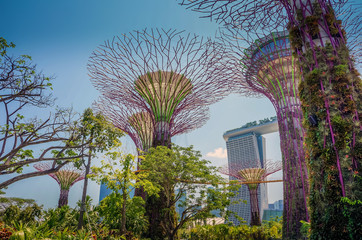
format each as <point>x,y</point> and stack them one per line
<point>246,146</point>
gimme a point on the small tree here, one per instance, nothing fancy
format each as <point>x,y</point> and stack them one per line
<point>119,175</point>
<point>99,135</point>
<point>182,169</point>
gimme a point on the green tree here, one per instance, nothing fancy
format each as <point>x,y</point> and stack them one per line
<point>179,171</point>
<point>118,210</point>
<point>99,136</point>
<point>27,215</point>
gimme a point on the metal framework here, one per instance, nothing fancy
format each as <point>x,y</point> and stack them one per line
<point>166,73</point>
<point>66,177</point>
<point>252,177</point>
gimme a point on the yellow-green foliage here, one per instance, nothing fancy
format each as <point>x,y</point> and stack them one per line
<point>269,230</point>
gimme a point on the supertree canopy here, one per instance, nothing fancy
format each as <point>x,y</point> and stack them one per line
<point>66,177</point>
<point>322,34</point>
<point>139,124</point>
<point>252,177</point>
<point>167,74</point>
<point>268,68</point>
<point>162,72</point>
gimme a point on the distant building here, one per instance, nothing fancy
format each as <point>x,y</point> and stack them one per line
<point>104,192</point>
<point>277,205</point>
<point>180,209</point>
<point>247,145</point>
<point>275,210</point>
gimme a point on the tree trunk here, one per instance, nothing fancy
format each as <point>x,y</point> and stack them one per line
<point>63,198</point>
<point>139,192</point>
<point>123,225</point>
<point>154,207</point>
<point>162,218</point>
<point>84,194</point>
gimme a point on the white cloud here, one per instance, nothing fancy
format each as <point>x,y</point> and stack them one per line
<point>218,153</point>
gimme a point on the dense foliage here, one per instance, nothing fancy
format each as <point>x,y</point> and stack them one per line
<point>120,212</point>
<point>329,93</point>
<point>67,223</point>
<point>185,180</point>
<point>271,230</point>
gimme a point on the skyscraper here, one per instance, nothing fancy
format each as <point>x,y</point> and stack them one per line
<point>275,210</point>
<point>105,191</point>
<point>247,145</point>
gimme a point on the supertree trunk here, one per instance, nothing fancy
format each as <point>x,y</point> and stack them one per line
<point>329,91</point>
<point>162,135</point>
<point>254,207</point>
<point>294,168</point>
<point>63,198</point>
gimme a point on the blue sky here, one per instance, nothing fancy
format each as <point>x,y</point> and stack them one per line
<point>60,36</point>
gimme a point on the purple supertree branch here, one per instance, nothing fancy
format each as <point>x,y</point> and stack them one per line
<point>189,119</point>
<point>233,170</point>
<point>117,64</point>
<point>61,175</point>
<point>247,15</point>
<point>119,115</point>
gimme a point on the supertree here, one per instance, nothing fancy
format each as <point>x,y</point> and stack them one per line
<point>66,177</point>
<point>162,72</point>
<point>165,73</point>
<point>139,124</point>
<point>329,92</point>
<point>252,177</point>
<point>267,68</point>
